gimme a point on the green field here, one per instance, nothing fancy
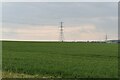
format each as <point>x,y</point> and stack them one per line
<point>63,60</point>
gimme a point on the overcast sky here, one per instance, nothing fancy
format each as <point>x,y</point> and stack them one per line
<point>41,21</point>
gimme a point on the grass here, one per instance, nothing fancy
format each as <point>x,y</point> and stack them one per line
<point>64,60</point>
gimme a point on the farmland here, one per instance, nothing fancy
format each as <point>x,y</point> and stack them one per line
<point>61,60</point>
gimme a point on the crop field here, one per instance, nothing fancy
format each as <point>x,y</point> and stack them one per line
<point>60,60</point>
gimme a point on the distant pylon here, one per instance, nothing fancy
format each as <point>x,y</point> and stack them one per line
<point>106,37</point>
<point>61,31</point>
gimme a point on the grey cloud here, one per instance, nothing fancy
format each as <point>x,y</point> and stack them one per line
<point>101,14</point>
<point>36,13</point>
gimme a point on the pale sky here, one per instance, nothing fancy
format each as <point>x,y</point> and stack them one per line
<point>41,20</point>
